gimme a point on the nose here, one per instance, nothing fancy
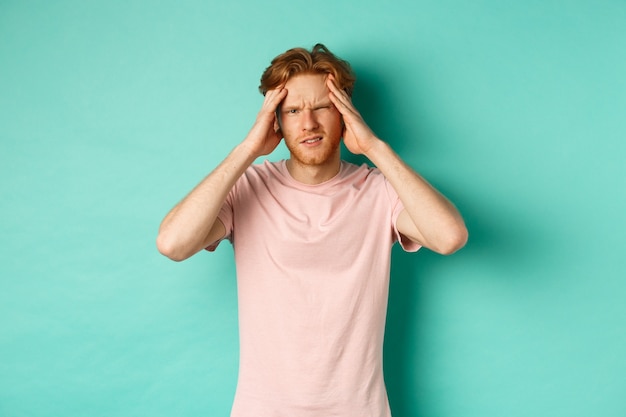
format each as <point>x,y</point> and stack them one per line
<point>309,120</point>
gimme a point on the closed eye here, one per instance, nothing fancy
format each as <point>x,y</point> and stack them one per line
<point>324,106</point>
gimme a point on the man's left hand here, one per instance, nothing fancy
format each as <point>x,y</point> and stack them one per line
<point>357,136</point>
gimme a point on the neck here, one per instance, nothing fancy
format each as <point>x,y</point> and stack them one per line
<point>313,174</point>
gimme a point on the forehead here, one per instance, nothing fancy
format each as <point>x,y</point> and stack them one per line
<point>305,88</point>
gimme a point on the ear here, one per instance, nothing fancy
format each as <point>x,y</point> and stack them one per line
<point>277,127</point>
<point>278,115</point>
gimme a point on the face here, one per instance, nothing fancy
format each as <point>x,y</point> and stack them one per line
<point>310,123</point>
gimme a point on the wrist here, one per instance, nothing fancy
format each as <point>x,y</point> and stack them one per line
<point>377,150</point>
<point>246,152</point>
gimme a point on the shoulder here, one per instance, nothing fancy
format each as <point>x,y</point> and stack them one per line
<point>361,174</point>
<point>370,180</point>
<point>263,171</point>
<point>259,177</point>
<point>263,168</point>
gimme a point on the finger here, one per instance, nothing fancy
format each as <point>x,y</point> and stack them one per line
<point>342,104</point>
<point>335,91</point>
<point>341,97</point>
<point>274,97</point>
<point>334,87</point>
<point>280,96</point>
<point>272,94</point>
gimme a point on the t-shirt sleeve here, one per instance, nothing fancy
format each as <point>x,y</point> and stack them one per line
<point>226,217</point>
<point>407,244</point>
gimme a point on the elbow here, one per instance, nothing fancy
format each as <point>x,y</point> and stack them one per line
<point>454,240</point>
<point>167,247</point>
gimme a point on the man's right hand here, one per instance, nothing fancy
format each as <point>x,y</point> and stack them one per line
<point>193,223</point>
<point>265,134</point>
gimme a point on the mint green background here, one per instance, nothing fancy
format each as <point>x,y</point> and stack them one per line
<point>111,111</point>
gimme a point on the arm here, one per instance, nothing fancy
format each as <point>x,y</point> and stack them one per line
<point>428,218</point>
<point>192,224</point>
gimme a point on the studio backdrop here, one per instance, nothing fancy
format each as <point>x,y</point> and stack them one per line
<point>111,111</point>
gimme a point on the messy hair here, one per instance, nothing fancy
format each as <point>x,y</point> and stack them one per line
<point>300,61</point>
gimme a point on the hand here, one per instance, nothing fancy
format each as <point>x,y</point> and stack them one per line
<point>357,136</point>
<point>265,134</point>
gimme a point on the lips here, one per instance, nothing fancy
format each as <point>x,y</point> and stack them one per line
<point>311,140</point>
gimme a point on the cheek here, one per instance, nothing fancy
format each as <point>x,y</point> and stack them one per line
<point>336,121</point>
<point>286,124</point>
<point>289,129</point>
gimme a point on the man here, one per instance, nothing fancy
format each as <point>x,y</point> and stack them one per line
<point>312,237</point>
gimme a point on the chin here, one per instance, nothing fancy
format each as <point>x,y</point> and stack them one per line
<point>322,157</point>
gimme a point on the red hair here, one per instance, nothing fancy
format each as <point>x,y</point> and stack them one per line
<point>300,61</point>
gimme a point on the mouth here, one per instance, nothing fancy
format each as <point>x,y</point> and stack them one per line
<point>311,140</point>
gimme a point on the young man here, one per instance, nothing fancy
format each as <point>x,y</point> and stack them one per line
<point>312,237</point>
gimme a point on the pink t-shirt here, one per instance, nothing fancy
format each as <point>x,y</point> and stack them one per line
<point>313,276</point>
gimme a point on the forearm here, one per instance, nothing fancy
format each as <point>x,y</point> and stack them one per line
<point>187,228</point>
<point>192,224</point>
<point>438,225</point>
<point>429,218</point>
